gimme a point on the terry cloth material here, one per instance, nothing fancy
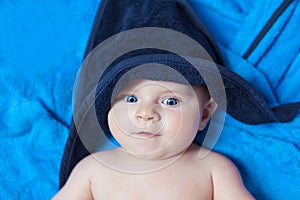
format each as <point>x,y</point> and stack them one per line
<point>36,109</point>
<point>244,103</point>
<point>39,56</point>
<point>117,16</point>
<point>265,52</point>
<point>264,153</point>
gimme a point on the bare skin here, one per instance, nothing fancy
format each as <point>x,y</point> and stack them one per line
<point>155,122</point>
<point>214,177</point>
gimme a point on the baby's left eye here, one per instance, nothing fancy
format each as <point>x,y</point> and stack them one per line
<point>131,99</point>
<point>170,101</point>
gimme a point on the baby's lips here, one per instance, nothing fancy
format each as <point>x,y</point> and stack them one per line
<point>145,135</point>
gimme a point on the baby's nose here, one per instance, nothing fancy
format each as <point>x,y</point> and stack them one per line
<point>148,114</point>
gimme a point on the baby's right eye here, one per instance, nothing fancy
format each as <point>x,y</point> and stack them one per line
<point>130,99</point>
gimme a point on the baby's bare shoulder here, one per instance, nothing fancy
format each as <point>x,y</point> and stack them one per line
<point>88,161</point>
<point>210,161</point>
<point>92,162</point>
<point>97,159</point>
<point>215,159</point>
<point>207,156</point>
<point>225,177</point>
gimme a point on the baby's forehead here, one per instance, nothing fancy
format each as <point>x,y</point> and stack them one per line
<point>144,83</point>
<point>165,86</point>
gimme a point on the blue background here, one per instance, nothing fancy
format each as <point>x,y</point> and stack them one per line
<point>41,49</point>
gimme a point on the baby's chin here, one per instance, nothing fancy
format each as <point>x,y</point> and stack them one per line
<point>162,154</point>
<point>138,163</point>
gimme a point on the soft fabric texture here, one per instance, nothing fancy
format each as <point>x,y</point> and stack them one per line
<point>36,107</point>
<point>273,67</point>
<point>267,154</point>
<point>41,49</point>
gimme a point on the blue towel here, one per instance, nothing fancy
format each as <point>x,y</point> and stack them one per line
<point>268,156</point>
<point>235,24</point>
<point>41,50</point>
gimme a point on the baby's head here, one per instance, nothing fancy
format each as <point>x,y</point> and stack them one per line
<point>164,79</point>
<point>159,119</point>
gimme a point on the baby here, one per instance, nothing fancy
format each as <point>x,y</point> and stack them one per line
<point>155,122</point>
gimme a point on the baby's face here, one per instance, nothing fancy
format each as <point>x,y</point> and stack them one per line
<point>156,119</point>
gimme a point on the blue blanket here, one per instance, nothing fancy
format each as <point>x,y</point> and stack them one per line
<point>41,50</point>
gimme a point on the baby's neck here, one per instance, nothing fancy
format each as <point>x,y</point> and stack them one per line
<point>123,161</point>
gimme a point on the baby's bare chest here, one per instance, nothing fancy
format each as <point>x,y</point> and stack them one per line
<point>177,185</point>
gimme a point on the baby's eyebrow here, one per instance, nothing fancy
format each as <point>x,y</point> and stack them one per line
<point>179,91</point>
<point>124,93</point>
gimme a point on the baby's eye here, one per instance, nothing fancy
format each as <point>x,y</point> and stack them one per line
<point>130,99</point>
<point>170,101</point>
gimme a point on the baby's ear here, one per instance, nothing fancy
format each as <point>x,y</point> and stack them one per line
<point>208,109</point>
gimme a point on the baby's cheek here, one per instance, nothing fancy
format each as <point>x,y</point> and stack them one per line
<point>189,121</point>
<point>111,122</point>
<point>118,117</point>
<point>173,123</point>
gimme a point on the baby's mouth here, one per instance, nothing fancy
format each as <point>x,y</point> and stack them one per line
<point>145,135</point>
